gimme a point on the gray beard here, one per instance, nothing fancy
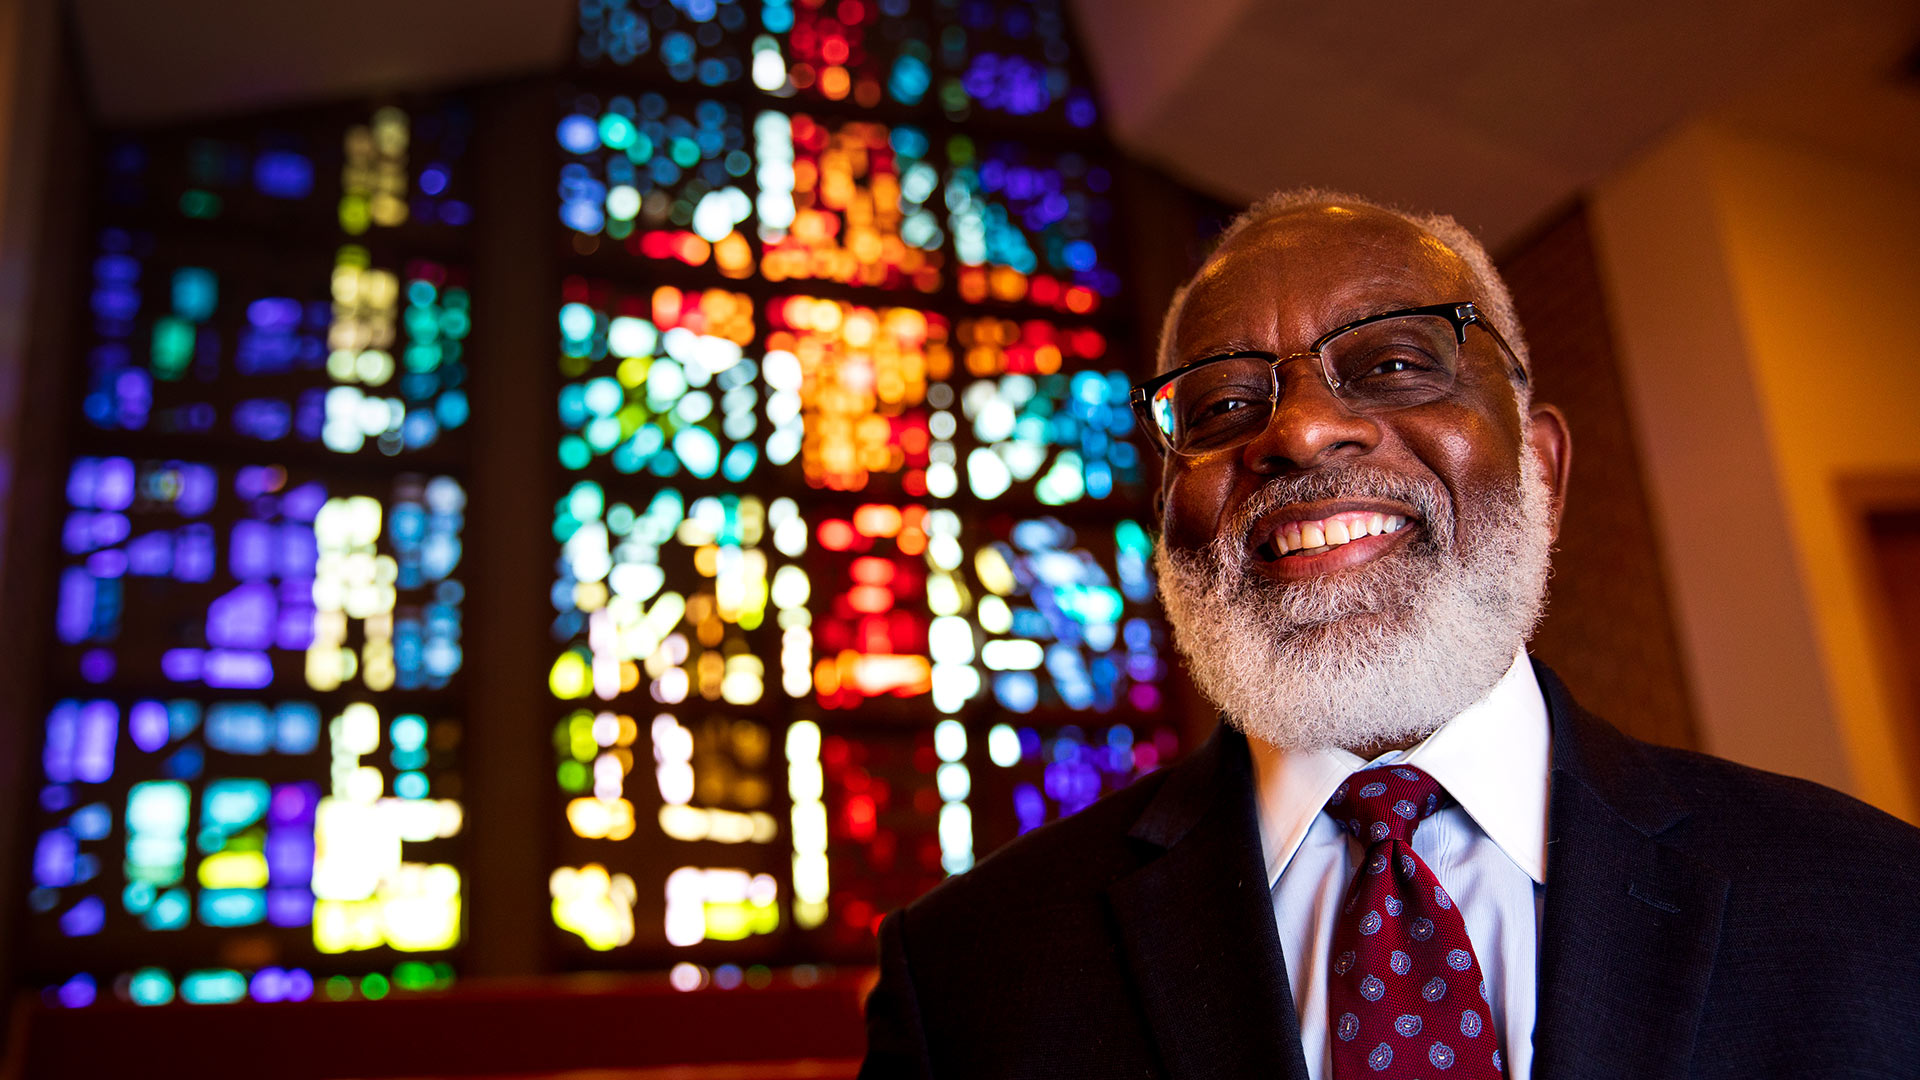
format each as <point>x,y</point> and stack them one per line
<point>1381,654</point>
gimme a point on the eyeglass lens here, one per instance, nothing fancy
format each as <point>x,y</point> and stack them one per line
<point>1378,367</point>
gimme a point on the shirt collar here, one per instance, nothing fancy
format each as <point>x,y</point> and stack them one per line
<point>1493,759</point>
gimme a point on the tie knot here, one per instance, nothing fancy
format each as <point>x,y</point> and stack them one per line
<point>1384,803</point>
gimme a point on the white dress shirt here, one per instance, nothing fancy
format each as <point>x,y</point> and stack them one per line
<point>1488,848</point>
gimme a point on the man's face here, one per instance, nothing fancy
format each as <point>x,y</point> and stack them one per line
<point>1276,288</point>
<point>1344,579</point>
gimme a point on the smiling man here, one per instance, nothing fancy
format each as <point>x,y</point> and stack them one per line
<point>1407,851</point>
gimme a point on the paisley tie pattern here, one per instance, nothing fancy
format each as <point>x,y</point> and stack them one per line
<point>1406,995</point>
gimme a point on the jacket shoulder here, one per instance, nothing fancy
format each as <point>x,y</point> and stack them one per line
<point>1785,821</point>
<point>1754,824</point>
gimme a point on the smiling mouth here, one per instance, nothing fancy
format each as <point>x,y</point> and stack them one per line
<point>1295,539</point>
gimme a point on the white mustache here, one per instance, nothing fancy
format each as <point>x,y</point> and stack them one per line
<point>1429,499</point>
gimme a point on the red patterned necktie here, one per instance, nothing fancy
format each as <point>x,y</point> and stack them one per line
<point>1406,997</point>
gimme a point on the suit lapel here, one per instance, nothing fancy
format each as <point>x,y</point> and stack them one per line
<point>1196,925</point>
<point>1631,924</point>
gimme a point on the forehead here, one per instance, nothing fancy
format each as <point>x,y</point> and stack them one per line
<point>1283,282</point>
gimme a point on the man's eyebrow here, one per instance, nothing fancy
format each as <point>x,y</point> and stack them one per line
<point>1224,346</point>
<point>1350,315</point>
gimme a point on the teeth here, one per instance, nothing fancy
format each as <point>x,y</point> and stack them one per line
<point>1318,536</point>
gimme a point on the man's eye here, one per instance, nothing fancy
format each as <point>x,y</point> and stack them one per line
<point>1399,364</point>
<point>1221,407</point>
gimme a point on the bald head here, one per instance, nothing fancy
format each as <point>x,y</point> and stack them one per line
<point>1390,238</point>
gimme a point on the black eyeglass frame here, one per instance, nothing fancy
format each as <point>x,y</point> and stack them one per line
<point>1460,313</point>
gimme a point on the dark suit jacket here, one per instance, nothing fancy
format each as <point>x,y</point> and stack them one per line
<point>1702,919</point>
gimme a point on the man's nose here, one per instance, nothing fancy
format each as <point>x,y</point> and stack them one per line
<point>1310,426</point>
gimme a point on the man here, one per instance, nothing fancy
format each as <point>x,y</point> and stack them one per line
<point>1408,852</point>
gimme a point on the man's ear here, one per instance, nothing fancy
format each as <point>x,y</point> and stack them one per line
<point>1551,442</point>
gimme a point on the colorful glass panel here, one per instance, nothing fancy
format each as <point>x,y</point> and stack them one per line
<point>1013,58</point>
<point>1043,773</point>
<point>369,172</point>
<point>663,181</point>
<point>241,346</point>
<point>663,612</point>
<point>1040,418</point>
<point>871,629</point>
<point>847,202</point>
<point>660,383</point>
<point>859,52</point>
<point>250,577</point>
<point>884,823</point>
<point>698,42</point>
<point>969,59</point>
<point>859,377</point>
<point>1030,225</point>
<point>311,829</point>
<point>1069,617</point>
<point>250,773</point>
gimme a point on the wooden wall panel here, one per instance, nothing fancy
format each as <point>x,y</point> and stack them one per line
<point>1609,630</point>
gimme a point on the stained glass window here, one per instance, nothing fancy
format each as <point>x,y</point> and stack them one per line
<point>846,585</point>
<point>843,528</point>
<point>250,782</point>
<point>959,59</point>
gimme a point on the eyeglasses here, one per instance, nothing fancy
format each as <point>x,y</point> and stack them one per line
<point>1384,362</point>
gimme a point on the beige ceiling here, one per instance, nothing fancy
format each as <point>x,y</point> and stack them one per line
<point>153,60</point>
<point>1498,112</point>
